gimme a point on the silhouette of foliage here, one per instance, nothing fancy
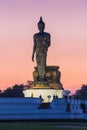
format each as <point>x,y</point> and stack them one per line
<point>81,93</point>
<point>15,91</point>
<point>29,83</point>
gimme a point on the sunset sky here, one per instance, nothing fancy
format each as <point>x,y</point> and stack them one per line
<point>66,21</point>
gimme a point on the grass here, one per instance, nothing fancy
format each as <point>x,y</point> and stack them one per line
<point>40,125</point>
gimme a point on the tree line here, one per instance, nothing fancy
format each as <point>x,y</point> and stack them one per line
<point>81,93</point>
<point>16,90</point>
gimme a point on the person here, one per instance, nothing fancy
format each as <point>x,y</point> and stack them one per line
<point>41,44</point>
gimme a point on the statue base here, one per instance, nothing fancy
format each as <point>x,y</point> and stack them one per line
<point>51,80</point>
<point>40,84</point>
<point>50,87</point>
<point>47,94</point>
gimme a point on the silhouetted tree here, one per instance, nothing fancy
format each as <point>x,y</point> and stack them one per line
<point>81,93</point>
<point>15,91</point>
<point>29,83</point>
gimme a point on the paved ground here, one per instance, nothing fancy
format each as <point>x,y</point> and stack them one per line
<point>70,126</point>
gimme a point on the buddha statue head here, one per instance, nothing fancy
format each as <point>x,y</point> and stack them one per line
<point>41,25</point>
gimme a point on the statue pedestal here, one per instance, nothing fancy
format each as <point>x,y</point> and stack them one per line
<point>52,78</point>
<point>47,94</point>
<point>48,88</point>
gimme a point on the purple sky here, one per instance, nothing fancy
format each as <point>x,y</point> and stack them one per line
<point>66,21</point>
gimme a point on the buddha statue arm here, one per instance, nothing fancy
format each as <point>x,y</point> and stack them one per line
<point>48,40</point>
<point>34,48</point>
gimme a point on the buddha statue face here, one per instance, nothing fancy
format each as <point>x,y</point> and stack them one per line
<point>41,25</point>
<point>41,28</point>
